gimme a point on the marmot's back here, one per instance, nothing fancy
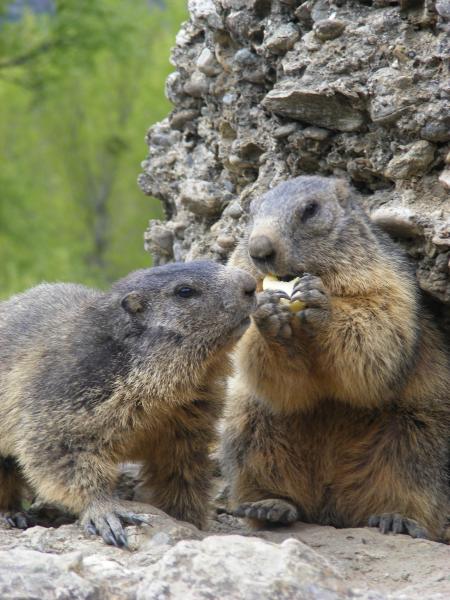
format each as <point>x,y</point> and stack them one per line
<point>37,313</point>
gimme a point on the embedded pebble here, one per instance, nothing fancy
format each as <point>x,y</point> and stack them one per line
<point>283,38</point>
<point>328,29</point>
<point>207,63</point>
<point>413,162</point>
<point>444,178</point>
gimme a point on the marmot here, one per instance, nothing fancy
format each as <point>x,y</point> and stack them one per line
<point>338,414</point>
<point>89,379</point>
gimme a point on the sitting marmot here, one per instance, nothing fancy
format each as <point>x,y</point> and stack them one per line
<point>338,413</point>
<point>90,379</point>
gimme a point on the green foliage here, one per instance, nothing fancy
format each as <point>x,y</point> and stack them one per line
<point>78,89</point>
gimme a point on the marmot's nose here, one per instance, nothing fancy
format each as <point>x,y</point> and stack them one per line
<point>261,248</point>
<point>244,282</point>
<point>248,284</point>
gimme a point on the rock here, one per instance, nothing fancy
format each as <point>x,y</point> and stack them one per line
<point>237,568</point>
<point>444,178</point>
<point>174,560</point>
<point>204,12</point>
<point>198,85</point>
<point>354,106</point>
<point>233,210</point>
<point>303,14</point>
<point>159,238</point>
<point>31,574</point>
<point>207,63</point>
<point>316,133</point>
<point>443,9</point>
<point>328,29</point>
<point>180,118</point>
<point>438,129</point>
<point>390,96</point>
<point>412,163</point>
<point>282,39</point>
<point>226,241</point>
<point>285,130</point>
<point>325,109</point>
<point>248,65</point>
<point>201,197</point>
<point>398,221</point>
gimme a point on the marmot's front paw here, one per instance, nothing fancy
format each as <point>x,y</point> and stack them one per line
<point>311,291</point>
<point>272,510</point>
<point>106,518</point>
<point>396,523</point>
<point>272,318</point>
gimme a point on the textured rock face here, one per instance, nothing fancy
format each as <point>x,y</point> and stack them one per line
<point>266,90</point>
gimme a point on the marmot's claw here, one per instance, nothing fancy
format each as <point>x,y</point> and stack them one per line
<point>133,519</point>
<point>311,291</point>
<point>109,527</point>
<point>272,510</point>
<point>18,520</point>
<point>396,523</point>
<point>310,282</point>
<point>108,524</point>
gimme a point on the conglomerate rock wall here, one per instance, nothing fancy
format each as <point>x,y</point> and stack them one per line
<point>267,90</point>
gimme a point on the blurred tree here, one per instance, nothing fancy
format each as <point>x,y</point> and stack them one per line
<point>79,85</point>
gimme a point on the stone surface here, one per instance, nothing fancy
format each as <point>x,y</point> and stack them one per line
<point>328,29</point>
<point>173,560</point>
<point>283,38</point>
<point>413,161</point>
<point>371,103</point>
<point>325,108</point>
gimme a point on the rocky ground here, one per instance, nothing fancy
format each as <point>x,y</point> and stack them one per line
<point>171,560</point>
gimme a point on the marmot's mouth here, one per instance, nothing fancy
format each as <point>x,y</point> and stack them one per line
<point>289,277</point>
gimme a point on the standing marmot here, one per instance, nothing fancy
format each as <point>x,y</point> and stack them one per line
<point>90,379</point>
<point>339,414</point>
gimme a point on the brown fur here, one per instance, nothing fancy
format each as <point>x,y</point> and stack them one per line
<point>89,380</point>
<point>343,409</point>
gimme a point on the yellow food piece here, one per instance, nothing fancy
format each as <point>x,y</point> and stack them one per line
<point>271,282</point>
<point>294,306</point>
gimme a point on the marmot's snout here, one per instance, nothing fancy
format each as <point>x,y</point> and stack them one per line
<point>262,250</point>
<point>245,284</point>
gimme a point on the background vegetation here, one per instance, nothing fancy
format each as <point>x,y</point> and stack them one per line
<point>80,82</point>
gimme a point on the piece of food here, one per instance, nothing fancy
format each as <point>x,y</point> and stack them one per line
<point>271,282</point>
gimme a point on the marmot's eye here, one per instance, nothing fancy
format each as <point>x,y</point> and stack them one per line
<point>185,291</point>
<point>309,211</point>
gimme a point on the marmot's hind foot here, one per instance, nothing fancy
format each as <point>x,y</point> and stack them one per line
<point>272,510</point>
<point>106,521</point>
<point>396,523</point>
<point>17,520</point>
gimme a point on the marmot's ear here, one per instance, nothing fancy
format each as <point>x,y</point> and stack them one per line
<point>133,302</point>
<point>343,191</point>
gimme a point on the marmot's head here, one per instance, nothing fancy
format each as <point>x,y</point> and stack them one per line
<point>189,310</point>
<point>303,225</point>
